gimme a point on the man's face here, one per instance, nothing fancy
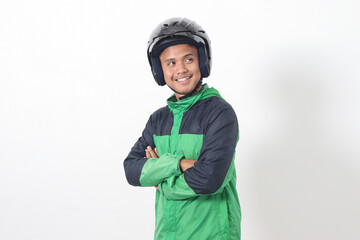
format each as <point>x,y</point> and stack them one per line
<point>180,64</point>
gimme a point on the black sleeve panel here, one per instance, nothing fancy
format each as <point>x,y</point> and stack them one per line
<point>135,161</point>
<point>217,152</point>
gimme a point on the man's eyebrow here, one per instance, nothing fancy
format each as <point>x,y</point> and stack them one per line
<point>169,59</point>
<point>185,56</point>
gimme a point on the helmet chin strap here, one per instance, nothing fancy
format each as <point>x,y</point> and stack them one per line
<point>191,93</point>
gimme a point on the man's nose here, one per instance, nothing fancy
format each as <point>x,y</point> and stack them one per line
<point>181,68</point>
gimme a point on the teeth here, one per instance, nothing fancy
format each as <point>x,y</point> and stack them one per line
<point>183,79</point>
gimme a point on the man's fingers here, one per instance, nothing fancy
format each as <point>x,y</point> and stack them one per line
<point>148,155</point>
<point>156,152</point>
<point>186,164</point>
<point>151,153</point>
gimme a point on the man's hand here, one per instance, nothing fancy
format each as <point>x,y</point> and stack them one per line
<point>186,163</point>
<point>150,153</point>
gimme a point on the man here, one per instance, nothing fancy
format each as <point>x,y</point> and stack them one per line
<point>187,148</point>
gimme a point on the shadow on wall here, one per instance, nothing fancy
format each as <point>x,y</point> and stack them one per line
<point>303,179</point>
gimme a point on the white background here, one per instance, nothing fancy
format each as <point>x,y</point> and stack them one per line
<point>76,91</point>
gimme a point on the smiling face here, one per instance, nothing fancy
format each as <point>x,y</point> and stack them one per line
<point>180,64</point>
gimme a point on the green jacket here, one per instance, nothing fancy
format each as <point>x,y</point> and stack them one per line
<point>202,202</point>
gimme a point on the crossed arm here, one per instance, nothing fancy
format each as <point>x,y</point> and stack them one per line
<point>179,178</point>
<point>184,163</point>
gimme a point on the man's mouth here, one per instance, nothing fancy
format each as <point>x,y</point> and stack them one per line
<point>183,79</point>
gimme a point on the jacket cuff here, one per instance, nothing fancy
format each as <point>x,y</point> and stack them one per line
<point>176,160</point>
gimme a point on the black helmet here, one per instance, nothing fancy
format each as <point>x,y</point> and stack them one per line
<point>178,31</point>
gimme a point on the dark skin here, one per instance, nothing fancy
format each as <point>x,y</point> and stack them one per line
<point>184,163</point>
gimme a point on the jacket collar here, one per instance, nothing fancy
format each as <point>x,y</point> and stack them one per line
<point>185,104</point>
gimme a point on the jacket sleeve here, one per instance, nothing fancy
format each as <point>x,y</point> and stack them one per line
<point>214,168</point>
<point>142,171</point>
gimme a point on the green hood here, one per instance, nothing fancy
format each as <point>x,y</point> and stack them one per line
<point>184,104</point>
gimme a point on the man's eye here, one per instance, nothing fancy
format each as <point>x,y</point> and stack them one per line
<point>171,63</point>
<point>188,60</point>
